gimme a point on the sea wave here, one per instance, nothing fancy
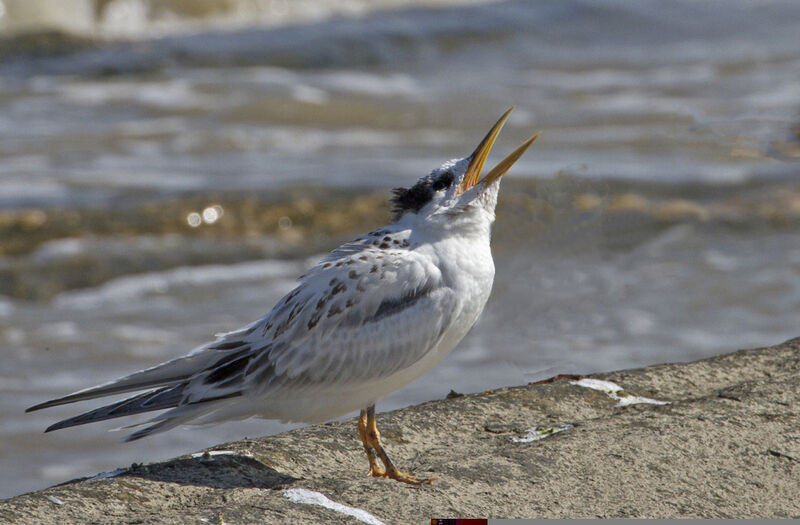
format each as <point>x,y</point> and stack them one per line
<point>149,18</point>
<point>359,33</point>
<point>137,286</point>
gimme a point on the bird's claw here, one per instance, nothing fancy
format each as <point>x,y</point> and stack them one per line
<point>406,477</point>
<point>371,439</point>
<point>376,472</point>
<point>399,475</point>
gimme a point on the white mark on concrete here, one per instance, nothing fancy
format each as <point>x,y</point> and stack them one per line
<point>112,474</point>
<point>315,498</point>
<point>540,432</point>
<point>55,500</point>
<point>615,392</point>
<point>211,453</point>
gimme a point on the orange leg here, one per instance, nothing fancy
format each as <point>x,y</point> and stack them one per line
<point>374,469</point>
<point>371,438</point>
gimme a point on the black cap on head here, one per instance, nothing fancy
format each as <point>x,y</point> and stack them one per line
<point>417,196</point>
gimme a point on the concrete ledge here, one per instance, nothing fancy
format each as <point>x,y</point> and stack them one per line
<point>727,446</point>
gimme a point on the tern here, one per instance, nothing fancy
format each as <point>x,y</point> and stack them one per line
<point>374,315</point>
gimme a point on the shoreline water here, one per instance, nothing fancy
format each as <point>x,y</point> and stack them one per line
<point>48,243</point>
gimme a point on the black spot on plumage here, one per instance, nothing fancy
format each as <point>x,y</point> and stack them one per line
<point>340,287</point>
<point>353,274</point>
<point>334,309</point>
<point>314,319</point>
<point>383,246</point>
<point>363,258</point>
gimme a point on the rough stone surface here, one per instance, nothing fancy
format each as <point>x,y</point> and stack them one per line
<point>728,445</point>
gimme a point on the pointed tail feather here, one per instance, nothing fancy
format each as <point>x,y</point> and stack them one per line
<point>166,397</point>
<point>161,399</point>
<point>165,374</point>
<point>170,385</point>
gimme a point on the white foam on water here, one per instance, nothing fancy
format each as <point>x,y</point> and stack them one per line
<point>143,333</point>
<point>168,94</point>
<point>136,286</point>
<point>372,84</point>
<point>296,139</point>
<point>6,307</point>
<point>134,19</point>
<point>61,331</point>
<point>14,192</point>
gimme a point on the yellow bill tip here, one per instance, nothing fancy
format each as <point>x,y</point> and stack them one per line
<point>504,165</point>
<point>481,153</point>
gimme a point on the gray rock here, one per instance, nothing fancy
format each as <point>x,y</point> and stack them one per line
<point>727,446</point>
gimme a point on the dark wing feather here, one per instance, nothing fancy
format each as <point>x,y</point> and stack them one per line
<point>167,397</point>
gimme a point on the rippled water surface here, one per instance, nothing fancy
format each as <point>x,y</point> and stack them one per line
<point>159,184</point>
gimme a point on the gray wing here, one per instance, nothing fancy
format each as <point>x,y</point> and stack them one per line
<point>367,315</point>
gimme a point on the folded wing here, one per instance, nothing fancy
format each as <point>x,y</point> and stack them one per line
<point>364,316</point>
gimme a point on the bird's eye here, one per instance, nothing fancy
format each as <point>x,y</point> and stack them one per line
<point>444,181</point>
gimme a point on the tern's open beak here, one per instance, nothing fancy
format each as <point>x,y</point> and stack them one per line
<point>473,173</point>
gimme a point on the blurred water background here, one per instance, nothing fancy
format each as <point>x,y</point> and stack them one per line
<point>168,167</point>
